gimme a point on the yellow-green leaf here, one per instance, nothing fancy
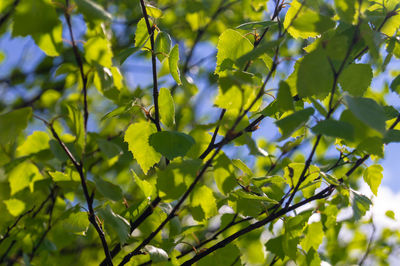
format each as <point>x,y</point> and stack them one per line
<point>373,176</point>
<point>173,64</point>
<point>167,108</point>
<point>15,206</point>
<point>98,52</point>
<point>137,135</point>
<point>34,143</point>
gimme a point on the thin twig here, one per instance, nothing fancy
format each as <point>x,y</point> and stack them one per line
<point>88,197</point>
<point>49,225</point>
<point>9,228</point>
<point>368,250</point>
<point>150,31</point>
<point>4,18</point>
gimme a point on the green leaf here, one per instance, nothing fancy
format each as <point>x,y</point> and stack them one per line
<point>368,111</point>
<point>13,123</point>
<point>390,214</point>
<point>392,135</point>
<point>34,17</point>
<point>303,22</point>
<point>108,189</point>
<point>77,223</point>
<point>224,174</point>
<point>231,46</point>
<point>245,195</point>
<point>156,254</point>
<point>346,9</point>
<point>312,258</point>
<point>292,122</point>
<point>60,177</point>
<point>333,128</point>
<point>284,99</point>
<point>116,223</point>
<point>242,166</point>
<point>75,122</point>
<point>22,176</point>
<point>171,144</point>
<point>153,11</point>
<point>274,245</point>
<point>314,77</point>
<point>50,42</point>
<point>356,78</point>
<point>142,37</point>
<point>373,176</point>
<point>137,135</point>
<point>360,205</point>
<point>256,25</point>
<point>167,107</point>
<point>228,255</point>
<point>34,143</point>
<point>395,85</point>
<point>109,148</point>
<point>313,236</point>
<point>15,206</point>
<point>174,180</point>
<point>92,11</point>
<point>144,186</point>
<point>122,56</point>
<point>392,25</point>
<point>98,51</point>
<point>173,64</point>
<point>162,45</point>
<point>372,145</point>
<point>203,197</point>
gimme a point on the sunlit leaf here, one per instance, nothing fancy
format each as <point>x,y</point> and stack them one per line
<point>15,206</point>
<point>373,176</point>
<point>173,64</point>
<point>167,107</point>
<point>92,10</point>
<point>137,135</point>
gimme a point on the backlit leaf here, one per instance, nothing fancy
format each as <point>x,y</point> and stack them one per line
<point>356,78</point>
<point>92,10</point>
<point>314,236</point>
<point>360,205</point>
<point>137,135</point>
<point>303,22</point>
<point>34,143</point>
<point>373,176</point>
<point>15,206</point>
<point>162,45</point>
<point>231,46</point>
<point>167,107</point>
<point>173,64</point>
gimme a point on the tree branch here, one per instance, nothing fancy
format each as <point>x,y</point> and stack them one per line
<point>150,30</point>
<point>89,199</point>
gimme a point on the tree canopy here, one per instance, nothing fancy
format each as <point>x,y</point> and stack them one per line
<point>216,132</point>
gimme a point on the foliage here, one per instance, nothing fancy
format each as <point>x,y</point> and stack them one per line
<point>97,169</point>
